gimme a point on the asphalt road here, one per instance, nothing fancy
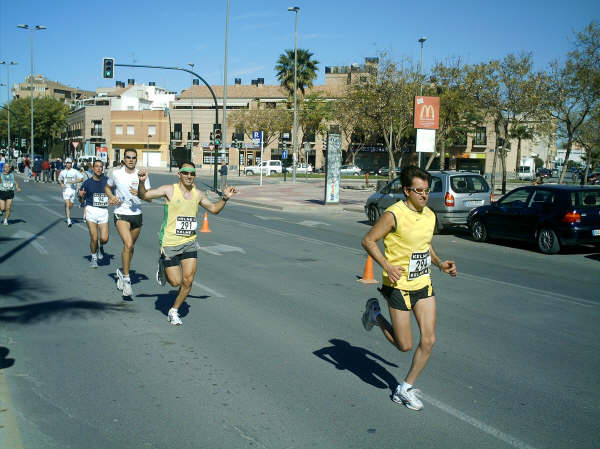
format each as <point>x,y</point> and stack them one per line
<point>272,353</point>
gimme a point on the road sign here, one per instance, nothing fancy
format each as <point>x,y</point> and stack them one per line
<point>256,137</point>
<point>284,154</point>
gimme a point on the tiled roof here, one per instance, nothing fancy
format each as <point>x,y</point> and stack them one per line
<point>261,91</point>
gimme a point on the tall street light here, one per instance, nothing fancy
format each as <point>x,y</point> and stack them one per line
<point>8,64</point>
<point>191,64</point>
<point>423,39</point>
<point>31,29</point>
<point>295,9</point>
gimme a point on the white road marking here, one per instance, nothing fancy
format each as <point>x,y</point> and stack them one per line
<point>209,290</point>
<point>262,217</point>
<point>509,439</point>
<point>32,239</point>
<point>53,212</point>
<point>219,250</point>
<point>312,224</point>
<point>34,198</point>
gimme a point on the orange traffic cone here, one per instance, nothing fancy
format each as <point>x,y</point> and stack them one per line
<point>368,277</point>
<point>205,227</point>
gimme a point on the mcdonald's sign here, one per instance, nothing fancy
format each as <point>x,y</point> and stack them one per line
<point>427,112</point>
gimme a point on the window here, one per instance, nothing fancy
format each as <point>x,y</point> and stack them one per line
<point>130,130</point>
<point>436,184</point>
<point>480,137</point>
<point>542,198</point>
<point>585,198</point>
<point>151,130</point>
<point>394,187</point>
<point>516,198</point>
<point>468,184</point>
<point>270,105</point>
<point>119,130</point>
<point>177,131</point>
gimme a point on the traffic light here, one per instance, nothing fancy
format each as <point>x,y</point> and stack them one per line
<point>217,134</point>
<point>108,68</point>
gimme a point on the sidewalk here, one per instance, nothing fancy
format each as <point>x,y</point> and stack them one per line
<point>302,196</point>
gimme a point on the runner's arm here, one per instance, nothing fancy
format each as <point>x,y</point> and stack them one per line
<point>215,208</point>
<point>17,185</point>
<point>165,191</point>
<point>447,266</point>
<point>384,226</point>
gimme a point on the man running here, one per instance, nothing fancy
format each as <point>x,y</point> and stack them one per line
<point>8,184</point>
<point>177,240</point>
<point>128,215</point>
<point>406,228</point>
<point>96,209</point>
<point>68,180</point>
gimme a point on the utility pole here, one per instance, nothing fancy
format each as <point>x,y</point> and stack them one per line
<point>295,9</point>
<point>224,141</point>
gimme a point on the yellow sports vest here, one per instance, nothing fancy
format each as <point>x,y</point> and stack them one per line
<point>408,246</point>
<point>179,219</point>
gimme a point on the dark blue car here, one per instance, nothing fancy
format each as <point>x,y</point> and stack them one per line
<point>552,215</point>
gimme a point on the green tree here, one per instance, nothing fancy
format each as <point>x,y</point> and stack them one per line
<point>313,115</point>
<point>573,87</point>
<point>270,121</point>
<point>521,132</point>
<point>588,136</point>
<point>306,70</point>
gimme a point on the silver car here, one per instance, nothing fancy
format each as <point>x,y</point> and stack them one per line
<point>453,195</point>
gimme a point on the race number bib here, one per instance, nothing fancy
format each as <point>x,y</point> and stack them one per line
<point>185,226</point>
<point>419,265</point>
<point>100,200</point>
<point>7,185</point>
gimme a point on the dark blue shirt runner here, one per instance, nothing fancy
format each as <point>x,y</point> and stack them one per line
<point>94,192</point>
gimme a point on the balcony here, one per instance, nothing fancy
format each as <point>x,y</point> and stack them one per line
<point>176,135</point>
<point>96,132</point>
<point>194,137</point>
<point>479,142</point>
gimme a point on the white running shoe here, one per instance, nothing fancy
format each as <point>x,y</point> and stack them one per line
<point>371,311</point>
<point>98,255</point>
<point>173,317</point>
<point>409,398</point>
<point>127,287</point>
<point>119,279</point>
<point>93,263</point>
<point>5,222</point>
<point>69,223</point>
<point>161,276</point>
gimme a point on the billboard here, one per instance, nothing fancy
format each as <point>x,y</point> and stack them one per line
<point>427,113</point>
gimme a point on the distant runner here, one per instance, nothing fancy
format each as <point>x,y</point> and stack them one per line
<point>68,180</point>
<point>178,248</point>
<point>7,191</point>
<point>128,215</point>
<point>406,228</point>
<point>96,208</point>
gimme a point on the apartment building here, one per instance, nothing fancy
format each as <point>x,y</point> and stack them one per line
<point>43,87</point>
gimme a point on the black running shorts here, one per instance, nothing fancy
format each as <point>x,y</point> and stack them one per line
<point>135,221</point>
<point>405,299</point>
<point>7,195</point>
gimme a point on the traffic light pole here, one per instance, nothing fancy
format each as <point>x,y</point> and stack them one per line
<point>201,79</point>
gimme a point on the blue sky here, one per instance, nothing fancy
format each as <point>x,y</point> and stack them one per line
<point>177,32</point>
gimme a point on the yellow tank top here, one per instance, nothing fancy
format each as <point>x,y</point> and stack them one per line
<point>408,246</point>
<point>179,219</point>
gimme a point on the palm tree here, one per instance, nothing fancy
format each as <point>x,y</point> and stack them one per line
<point>306,73</point>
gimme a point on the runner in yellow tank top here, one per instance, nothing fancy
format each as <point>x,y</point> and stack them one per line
<point>178,259</point>
<point>407,229</point>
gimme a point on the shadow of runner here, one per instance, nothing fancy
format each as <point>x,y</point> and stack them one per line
<point>357,360</point>
<point>164,301</point>
<point>71,307</point>
<point>5,362</point>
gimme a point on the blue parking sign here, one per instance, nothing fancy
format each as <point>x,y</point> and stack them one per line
<point>256,137</point>
<point>284,154</point>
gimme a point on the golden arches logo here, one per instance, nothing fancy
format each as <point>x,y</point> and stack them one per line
<point>427,112</point>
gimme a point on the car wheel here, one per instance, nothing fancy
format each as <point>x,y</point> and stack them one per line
<point>273,172</point>
<point>479,231</point>
<point>249,173</point>
<point>373,215</point>
<point>548,241</point>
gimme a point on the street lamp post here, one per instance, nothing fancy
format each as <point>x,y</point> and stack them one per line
<point>423,39</point>
<point>31,29</point>
<point>191,64</point>
<point>8,64</point>
<point>295,9</point>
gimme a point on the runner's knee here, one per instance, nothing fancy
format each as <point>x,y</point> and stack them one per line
<point>403,346</point>
<point>427,341</point>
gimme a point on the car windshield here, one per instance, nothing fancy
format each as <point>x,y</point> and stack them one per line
<point>584,199</point>
<point>468,184</point>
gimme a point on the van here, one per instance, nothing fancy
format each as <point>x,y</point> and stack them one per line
<point>86,160</point>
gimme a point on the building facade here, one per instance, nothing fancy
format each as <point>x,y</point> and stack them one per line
<point>43,87</point>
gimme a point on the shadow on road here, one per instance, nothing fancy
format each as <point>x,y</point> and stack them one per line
<point>5,362</point>
<point>164,302</point>
<point>133,275</point>
<point>21,288</point>
<point>358,361</point>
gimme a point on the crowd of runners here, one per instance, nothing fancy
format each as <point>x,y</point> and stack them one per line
<point>406,229</point>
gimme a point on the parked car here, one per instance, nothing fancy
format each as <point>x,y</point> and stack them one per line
<point>543,172</point>
<point>347,170</point>
<point>553,215</point>
<point>453,195</point>
<point>301,168</point>
<point>384,171</point>
<point>593,178</point>
<point>269,167</point>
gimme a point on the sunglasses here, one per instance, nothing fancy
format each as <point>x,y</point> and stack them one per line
<point>419,190</point>
<point>130,157</point>
<point>189,173</point>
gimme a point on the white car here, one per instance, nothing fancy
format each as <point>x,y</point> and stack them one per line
<point>350,170</point>
<point>302,168</point>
